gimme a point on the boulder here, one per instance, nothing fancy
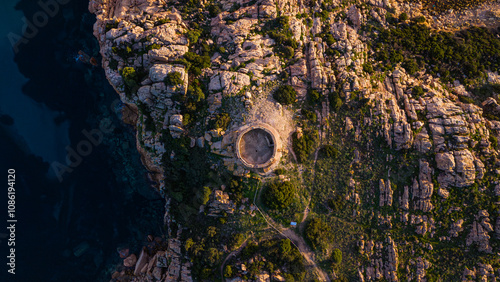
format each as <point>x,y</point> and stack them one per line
<point>141,262</point>
<point>176,120</point>
<point>445,161</point>
<point>130,261</point>
<point>465,168</point>
<point>385,198</point>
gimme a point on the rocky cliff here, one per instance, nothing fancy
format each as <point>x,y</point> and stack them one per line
<point>198,71</point>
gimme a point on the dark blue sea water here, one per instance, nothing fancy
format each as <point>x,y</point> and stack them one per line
<point>69,230</point>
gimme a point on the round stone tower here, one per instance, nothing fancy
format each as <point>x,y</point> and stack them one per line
<point>258,146</point>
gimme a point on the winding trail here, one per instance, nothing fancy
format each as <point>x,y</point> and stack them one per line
<point>316,155</point>
<point>296,240</point>
<point>308,254</point>
<point>231,254</point>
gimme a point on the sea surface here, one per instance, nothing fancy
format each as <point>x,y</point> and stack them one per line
<point>70,220</point>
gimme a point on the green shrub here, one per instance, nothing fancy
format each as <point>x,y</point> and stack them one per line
<point>288,52</point>
<point>485,91</point>
<point>236,240</point>
<point>153,46</point>
<point>234,8</point>
<point>420,19</point>
<point>130,78</point>
<point>417,91</point>
<point>173,78</point>
<point>123,51</point>
<point>195,62</point>
<point>182,61</point>
<point>279,30</point>
<point>464,55</point>
<point>222,121</point>
<point>214,10</point>
<point>465,99</point>
<point>113,64</point>
<point>280,171</point>
<point>285,95</point>
<point>285,247</point>
<point>193,35</point>
<point>411,66</point>
<point>403,17</point>
<point>318,233</point>
<point>367,67</point>
<point>304,146</point>
<point>336,203</point>
<point>111,25</point>
<point>309,115</point>
<point>329,151</point>
<point>236,188</point>
<point>205,195</point>
<point>279,195</point>
<point>328,38</point>
<point>228,271</point>
<point>149,124</point>
<point>335,101</point>
<point>221,50</point>
<point>494,142</point>
<point>212,256</point>
<point>337,256</point>
<point>195,93</point>
<point>162,21</point>
<point>313,97</point>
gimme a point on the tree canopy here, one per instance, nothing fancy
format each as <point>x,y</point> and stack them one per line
<point>318,233</point>
<point>279,195</point>
<point>285,95</point>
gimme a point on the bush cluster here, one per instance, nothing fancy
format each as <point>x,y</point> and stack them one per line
<point>417,91</point>
<point>335,101</point>
<point>461,55</point>
<point>173,78</point>
<point>279,195</point>
<point>337,256</point>
<point>193,35</point>
<point>279,253</point>
<point>153,46</point>
<point>285,95</point>
<point>222,121</point>
<point>130,79</point>
<point>336,203</point>
<point>149,123</point>
<point>313,97</point>
<point>123,52</point>
<point>318,233</point>
<point>445,5</point>
<point>279,30</point>
<point>309,115</point>
<point>329,151</point>
<point>304,146</point>
<point>195,63</point>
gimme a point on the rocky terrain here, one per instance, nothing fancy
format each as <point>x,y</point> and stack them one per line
<point>192,73</point>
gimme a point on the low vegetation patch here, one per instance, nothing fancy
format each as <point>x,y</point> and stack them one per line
<point>318,234</point>
<point>304,146</point>
<point>222,121</point>
<point>464,55</point>
<point>130,79</point>
<point>279,30</point>
<point>173,78</point>
<point>285,95</point>
<point>279,195</point>
<point>445,5</point>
